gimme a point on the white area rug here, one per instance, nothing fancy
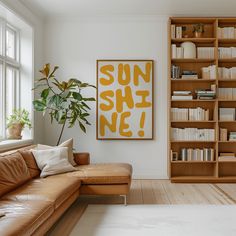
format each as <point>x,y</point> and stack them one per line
<point>157,220</point>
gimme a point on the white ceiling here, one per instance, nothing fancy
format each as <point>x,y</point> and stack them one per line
<point>68,8</point>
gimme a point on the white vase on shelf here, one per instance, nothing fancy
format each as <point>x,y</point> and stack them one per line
<point>189,50</point>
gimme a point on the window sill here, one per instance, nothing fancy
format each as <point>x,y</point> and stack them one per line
<point>7,145</point>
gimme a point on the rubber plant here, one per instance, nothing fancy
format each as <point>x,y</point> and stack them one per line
<point>62,100</point>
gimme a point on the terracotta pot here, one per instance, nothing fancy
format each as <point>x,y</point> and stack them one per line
<point>14,131</point>
<point>198,34</point>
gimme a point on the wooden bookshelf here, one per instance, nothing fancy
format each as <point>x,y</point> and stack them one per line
<point>208,171</point>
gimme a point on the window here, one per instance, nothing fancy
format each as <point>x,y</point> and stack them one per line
<point>9,73</point>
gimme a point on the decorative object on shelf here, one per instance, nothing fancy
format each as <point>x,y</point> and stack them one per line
<point>184,29</point>
<point>124,99</point>
<point>17,122</point>
<point>189,49</point>
<point>198,30</point>
<point>63,100</point>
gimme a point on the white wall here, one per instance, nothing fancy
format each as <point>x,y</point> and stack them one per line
<point>37,24</point>
<point>75,44</point>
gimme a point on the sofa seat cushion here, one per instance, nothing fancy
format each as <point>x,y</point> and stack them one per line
<point>117,173</point>
<point>55,189</point>
<point>13,172</point>
<point>23,217</point>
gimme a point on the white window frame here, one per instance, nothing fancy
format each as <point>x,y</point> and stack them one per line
<point>9,62</point>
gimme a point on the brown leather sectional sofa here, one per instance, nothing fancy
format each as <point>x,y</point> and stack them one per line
<point>32,204</point>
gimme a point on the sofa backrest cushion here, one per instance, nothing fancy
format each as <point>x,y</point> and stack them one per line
<point>13,172</point>
<point>30,162</point>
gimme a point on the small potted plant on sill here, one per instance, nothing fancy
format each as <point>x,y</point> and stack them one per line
<point>198,30</point>
<point>17,122</point>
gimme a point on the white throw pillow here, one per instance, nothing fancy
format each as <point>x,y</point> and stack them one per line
<point>52,161</point>
<point>68,143</point>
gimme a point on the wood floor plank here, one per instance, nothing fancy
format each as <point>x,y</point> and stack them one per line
<point>135,195</point>
<point>229,190</point>
<point>147,192</point>
<point>159,192</point>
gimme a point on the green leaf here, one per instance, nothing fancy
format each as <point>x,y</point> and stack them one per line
<point>55,101</point>
<point>45,93</point>
<point>54,70</point>
<point>85,105</point>
<point>77,96</point>
<point>82,127</point>
<point>39,105</point>
<point>89,99</point>
<point>46,69</point>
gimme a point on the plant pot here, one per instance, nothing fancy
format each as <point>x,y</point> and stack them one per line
<point>14,131</point>
<point>198,34</point>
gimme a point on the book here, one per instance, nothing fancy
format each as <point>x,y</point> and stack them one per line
<point>174,97</point>
<point>197,154</point>
<point>175,72</point>
<point>192,134</point>
<point>223,134</point>
<point>205,52</point>
<point>172,30</point>
<point>227,114</point>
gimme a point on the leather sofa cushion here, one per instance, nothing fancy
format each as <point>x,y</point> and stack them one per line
<point>117,173</point>
<point>30,162</point>
<point>13,172</point>
<point>23,217</point>
<point>55,189</point>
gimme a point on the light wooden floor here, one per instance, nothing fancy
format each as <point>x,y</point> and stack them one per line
<point>151,192</point>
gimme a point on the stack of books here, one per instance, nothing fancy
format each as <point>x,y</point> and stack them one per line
<point>177,52</point>
<point>190,154</point>
<point>226,33</point>
<point>205,94</point>
<point>223,135</point>
<point>205,52</point>
<point>227,93</point>
<point>194,114</point>
<point>175,72</point>
<point>227,114</point>
<point>227,156</point>
<point>176,32</point>
<point>198,114</point>
<point>232,136</point>
<point>227,73</point>
<point>192,134</point>
<point>226,52</point>
<point>188,74</point>
<point>209,72</point>
<point>182,95</point>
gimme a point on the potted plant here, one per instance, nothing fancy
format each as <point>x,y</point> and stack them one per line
<point>63,100</point>
<point>17,122</point>
<point>198,30</point>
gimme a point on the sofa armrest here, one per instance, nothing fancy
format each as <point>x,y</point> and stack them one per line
<point>82,158</point>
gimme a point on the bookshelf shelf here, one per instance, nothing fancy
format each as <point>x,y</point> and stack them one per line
<point>193,80</point>
<point>196,60</point>
<point>195,40</point>
<point>193,121</point>
<point>192,162</point>
<point>197,100</point>
<point>227,41</point>
<point>191,141</point>
<point>227,161</point>
<point>231,60</point>
<point>212,170</point>
<point>226,142</point>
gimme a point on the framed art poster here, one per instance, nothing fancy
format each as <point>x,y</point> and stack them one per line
<point>124,99</point>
